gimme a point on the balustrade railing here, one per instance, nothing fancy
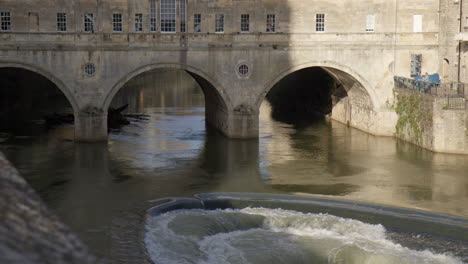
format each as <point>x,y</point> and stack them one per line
<point>456,93</point>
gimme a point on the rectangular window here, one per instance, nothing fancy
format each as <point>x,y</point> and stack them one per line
<point>245,23</point>
<point>153,20</point>
<point>417,23</point>
<point>219,25</point>
<point>416,62</point>
<point>61,22</point>
<point>183,15</point>
<point>370,23</point>
<point>5,21</point>
<point>197,23</point>
<point>320,22</point>
<point>89,22</point>
<point>138,22</point>
<point>271,23</point>
<point>168,15</point>
<point>117,22</point>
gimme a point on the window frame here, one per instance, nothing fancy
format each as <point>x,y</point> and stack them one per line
<point>153,16</point>
<point>168,16</point>
<point>183,16</point>
<point>271,23</point>
<point>88,19</point>
<point>245,23</point>
<point>138,22</point>
<point>219,23</point>
<point>417,23</point>
<point>320,22</point>
<point>416,65</point>
<point>61,22</point>
<point>117,22</point>
<point>197,23</point>
<point>5,21</point>
<point>370,23</point>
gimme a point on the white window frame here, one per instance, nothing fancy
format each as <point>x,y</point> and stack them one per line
<point>271,23</point>
<point>5,21</point>
<point>168,16</point>
<point>88,20</point>
<point>370,23</point>
<point>319,22</point>
<point>197,20</point>
<point>62,22</point>
<point>417,23</point>
<point>219,23</point>
<point>183,16</point>
<point>245,23</point>
<point>117,25</point>
<point>138,22</point>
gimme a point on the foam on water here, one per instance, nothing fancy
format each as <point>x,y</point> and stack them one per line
<point>258,235</point>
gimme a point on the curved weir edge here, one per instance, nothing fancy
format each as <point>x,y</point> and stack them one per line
<point>392,218</point>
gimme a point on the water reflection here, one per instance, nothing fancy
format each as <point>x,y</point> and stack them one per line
<point>97,188</point>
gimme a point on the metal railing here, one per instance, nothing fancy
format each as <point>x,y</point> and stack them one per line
<point>456,93</point>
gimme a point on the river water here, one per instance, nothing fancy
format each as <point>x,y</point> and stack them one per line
<point>102,190</point>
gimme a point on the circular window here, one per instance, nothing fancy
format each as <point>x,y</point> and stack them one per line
<point>243,69</point>
<point>90,69</point>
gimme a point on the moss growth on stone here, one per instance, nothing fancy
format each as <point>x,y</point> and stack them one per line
<point>412,117</point>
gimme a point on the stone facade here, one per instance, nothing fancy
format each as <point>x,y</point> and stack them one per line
<point>428,121</point>
<point>363,45</point>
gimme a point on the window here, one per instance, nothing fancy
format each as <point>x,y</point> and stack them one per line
<point>5,21</point>
<point>168,16</point>
<point>219,25</point>
<point>197,23</point>
<point>417,23</point>
<point>61,22</point>
<point>138,22</point>
<point>153,20</point>
<point>370,23</point>
<point>183,15</point>
<point>89,22</point>
<point>416,61</point>
<point>243,69</point>
<point>245,23</point>
<point>90,69</point>
<point>271,23</point>
<point>320,22</point>
<point>117,22</point>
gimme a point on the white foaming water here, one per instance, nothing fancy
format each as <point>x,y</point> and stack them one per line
<point>258,235</point>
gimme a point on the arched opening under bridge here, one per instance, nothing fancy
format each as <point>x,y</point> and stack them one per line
<point>31,103</point>
<point>173,101</point>
<point>319,92</point>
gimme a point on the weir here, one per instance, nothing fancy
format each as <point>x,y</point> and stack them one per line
<point>296,229</point>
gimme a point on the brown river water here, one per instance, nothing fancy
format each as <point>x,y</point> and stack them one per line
<point>102,190</point>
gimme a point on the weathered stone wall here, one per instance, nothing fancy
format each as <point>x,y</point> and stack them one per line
<point>427,121</point>
<point>29,232</point>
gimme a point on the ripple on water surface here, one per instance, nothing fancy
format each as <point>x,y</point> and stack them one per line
<point>258,235</point>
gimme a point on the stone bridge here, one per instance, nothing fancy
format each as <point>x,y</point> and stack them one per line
<point>235,72</point>
<point>361,45</point>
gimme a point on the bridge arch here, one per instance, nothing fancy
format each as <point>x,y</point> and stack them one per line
<point>344,75</point>
<point>213,90</point>
<point>46,74</point>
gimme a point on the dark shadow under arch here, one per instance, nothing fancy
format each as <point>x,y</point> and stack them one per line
<point>344,76</point>
<point>314,92</point>
<point>26,97</point>
<point>47,75</point>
